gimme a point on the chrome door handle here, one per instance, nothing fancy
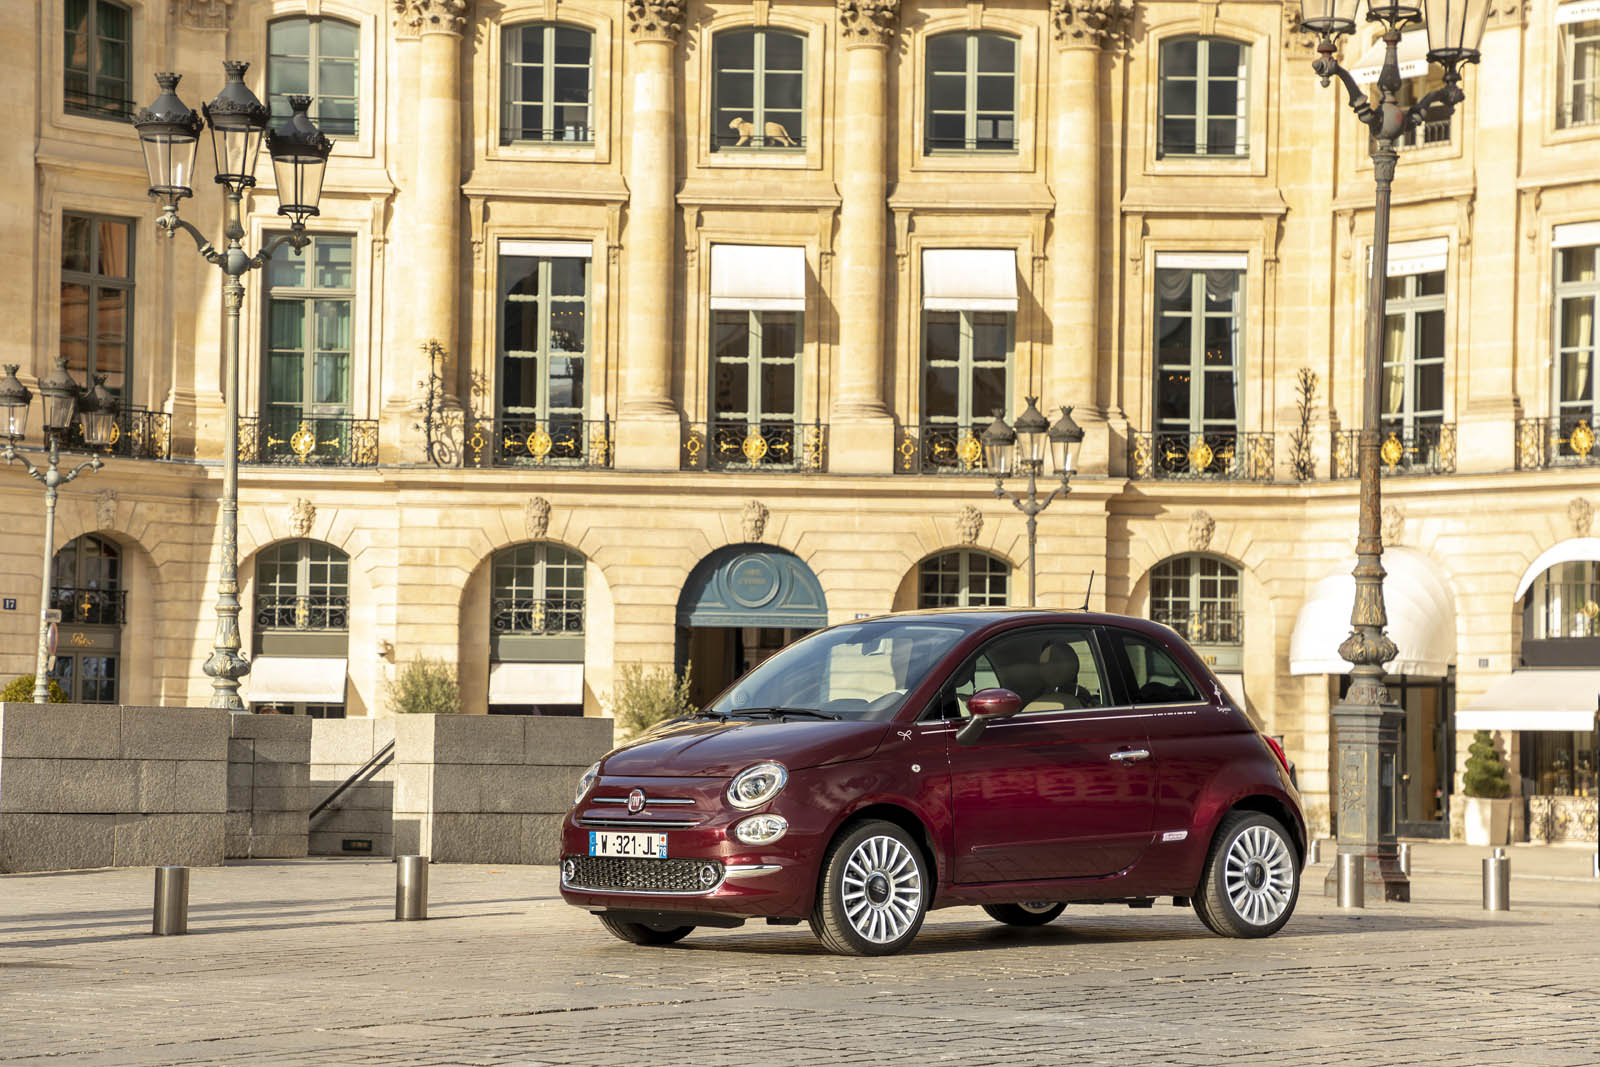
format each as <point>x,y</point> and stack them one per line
<point>1132,755</point>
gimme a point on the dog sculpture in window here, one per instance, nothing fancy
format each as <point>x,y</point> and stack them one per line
<point>773,133</point>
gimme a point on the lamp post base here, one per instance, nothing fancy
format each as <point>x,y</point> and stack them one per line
<point>1381,875</point>
<point>1368,777</point>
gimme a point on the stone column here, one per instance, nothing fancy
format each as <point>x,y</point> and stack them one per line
<point>648,424</point>
<point>861,426</point>
<point>1072,373</point>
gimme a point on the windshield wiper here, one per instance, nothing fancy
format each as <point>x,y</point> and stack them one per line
<point>780,713</point>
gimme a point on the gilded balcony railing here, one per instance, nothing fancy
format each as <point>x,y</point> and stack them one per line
<point>93,607</point>
<point>508,441</point>
<point>294,612</point>
<point>1216,456</point>
<point>1205,627</point>
<point>136,434</point>
<point>288,439</point>
<point>746,445</point>
<point>1426,448</point>
<point>940,448</point>
<point>1560,441</point>
<point>536,615</point>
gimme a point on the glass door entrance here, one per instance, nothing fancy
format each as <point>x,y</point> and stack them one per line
<point>1425,764</point>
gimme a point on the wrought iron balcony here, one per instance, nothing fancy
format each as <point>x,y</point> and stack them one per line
<point>288,439</point>
<point>1217,456</point>
<point>94,607</point>
<point>137,434</point>
<point>1581,109</point>
<point>1426,448</point>
<point>1204,627</point>
<point>573,135</point>
<point>535,616</point>
<point>292,612</point>
<point>941,448</point>
<point>509,441</point>
<point>742,445</point>
<point>1560,441</point>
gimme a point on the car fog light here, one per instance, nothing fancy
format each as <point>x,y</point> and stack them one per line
<point>761,829</point>
<point>709,875</point>
<point>569,869</point>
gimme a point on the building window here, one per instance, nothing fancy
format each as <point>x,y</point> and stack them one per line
<point>1204,103</point>
<point>319,58</point>
<point>86,587</point>
<point>547,82</point>
<point>301,587</point>
<point>1558,763</point>
<point>309,303</point>
<point>1199,316</point>
<point>966,368</point>
<point>1413,356</point>
<point>544,339</point>
<point>538,590</point>
<point>972,93</point>
<point>1198,596</point>
<point>1577,347</point>
<point>97,298</point>
<point>962,579</point>
<point>1563,602</point>
<point>1580,74</point>
<point>97,59</point>
<point>758,90</point>
<point>755,358</point>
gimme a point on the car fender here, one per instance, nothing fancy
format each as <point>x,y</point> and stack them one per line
<point>1215,803</point>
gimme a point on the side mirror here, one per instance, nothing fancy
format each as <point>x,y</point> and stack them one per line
<point>986,705</point>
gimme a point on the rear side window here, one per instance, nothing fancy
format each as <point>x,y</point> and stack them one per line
<point>1157,678</point>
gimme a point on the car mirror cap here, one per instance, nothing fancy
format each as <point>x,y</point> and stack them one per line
<point>994,703</point>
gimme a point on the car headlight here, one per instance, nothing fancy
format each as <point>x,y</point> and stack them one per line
<point>761,829</point>
<point>585,782</point>
<point>754,786</point>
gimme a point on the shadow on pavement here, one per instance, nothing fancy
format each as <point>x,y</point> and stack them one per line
<point>57,942</point>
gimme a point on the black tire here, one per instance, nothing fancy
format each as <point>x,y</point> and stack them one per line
<point>643,933</point>
<point>1252,877</point>
<point>882,913</point>
<point>1024,914</point>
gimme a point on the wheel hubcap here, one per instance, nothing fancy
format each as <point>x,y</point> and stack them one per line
<point>1259,875</point>
<point>1037,907</point>
<point>882,890</point>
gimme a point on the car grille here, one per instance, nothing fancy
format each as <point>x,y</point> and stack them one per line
<point>639,875</point>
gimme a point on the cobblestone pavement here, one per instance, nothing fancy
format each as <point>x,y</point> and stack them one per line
<point>300,963</point>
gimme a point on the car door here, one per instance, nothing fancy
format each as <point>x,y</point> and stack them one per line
<point>1062,789</point>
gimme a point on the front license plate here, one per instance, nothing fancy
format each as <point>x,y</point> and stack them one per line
<point>631,846</point>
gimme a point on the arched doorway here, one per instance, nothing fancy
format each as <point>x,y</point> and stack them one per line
<point>301,635</point>
<point>86,586</point>
<point>537,624</point>
<point>740,605</point>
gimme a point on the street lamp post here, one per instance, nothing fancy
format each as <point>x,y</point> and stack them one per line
<point>61,395</point>
<point>999,451</point>
<point>169,133</point>
<point>1368,721</point>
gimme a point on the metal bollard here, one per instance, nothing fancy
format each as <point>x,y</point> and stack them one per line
<point>1352,885</point>
<point>1497,882</point>
<point>171,914</point>
<point>1405,858</point>
<point>1316,850</point>
<point>410,887</point>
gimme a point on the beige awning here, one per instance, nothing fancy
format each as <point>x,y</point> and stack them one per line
<point>1579,11</point>
<point>536,683</point>
<point>758,278</point>
<point>1554,699</point>
<point>1572,550</point>
<point>1413,58</point>
<point>1422,619</point>
<point>294,680</point>
<point>969,279</point>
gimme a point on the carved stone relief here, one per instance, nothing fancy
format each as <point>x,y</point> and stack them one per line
<point>301,516</point>
<point>1092,23</point>
<point>423,16</point>
<point>536,516</point>
<point>753,521</point>
<point>655,20</point>
<point>969,524</point>
<point>1201,529</point>
<point>203,14</point>
<point>1581,513</point>
<point>105,509</point>
<point>868,21</point>
<point>1394,524</point>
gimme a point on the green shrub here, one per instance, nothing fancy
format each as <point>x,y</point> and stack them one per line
<point>424,687</point>
<point>1485,774</point>
<point>641,698</point>
<point>20,691</point>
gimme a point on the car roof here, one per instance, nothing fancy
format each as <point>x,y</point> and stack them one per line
<point>976,619</point>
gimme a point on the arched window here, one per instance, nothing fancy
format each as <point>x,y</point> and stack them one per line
<point>98,43</point>
<point>1205,89</point>
<point>962,579</point>
<point>538,590</point>
<point>1198,596</point>
<point>1563,602</point>
<point>971,92</point>
<point>319,58</point>
<point>546,83</point>
<point>86,587</point>
<point>301,633</point>
<point>536,621</point>
<point>758,89</point>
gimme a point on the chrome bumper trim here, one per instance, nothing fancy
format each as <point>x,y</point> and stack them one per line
<point>744,870</point>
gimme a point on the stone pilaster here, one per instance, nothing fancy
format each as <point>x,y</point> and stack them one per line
<point>402,276</point>
<point>862,427</point>
<point>648,424</point>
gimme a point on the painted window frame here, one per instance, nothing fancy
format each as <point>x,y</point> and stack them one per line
<point>541,409</point>
<point>1575,292</point>
<point>971,75</point>
<point>722,137</point>
<point>967,367</point>
<point>938,566</point>
<point>335,128</point>
<point>117,105</point>
<point>320,571</point>
<point>520,573</point>
<point>1202,79</point>
<point>309,296</point>
<point>1408,308</point>
<point>1199,313</point>
<point>755,410</point>
<point>1569,36</point>
<point>94,283</point>
<point>511,38</point>
<point>1204,616</point>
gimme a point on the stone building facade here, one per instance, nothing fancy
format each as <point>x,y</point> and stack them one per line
<point>657,331</point>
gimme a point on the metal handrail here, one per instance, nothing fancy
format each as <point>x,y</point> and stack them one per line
<point>380,759</point>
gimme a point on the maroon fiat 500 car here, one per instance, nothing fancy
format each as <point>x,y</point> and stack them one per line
<point>1018,760</point>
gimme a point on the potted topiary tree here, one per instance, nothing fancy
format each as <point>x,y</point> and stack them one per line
<point>1487,818</point>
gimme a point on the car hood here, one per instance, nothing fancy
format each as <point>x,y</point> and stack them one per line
<point>709,749</point>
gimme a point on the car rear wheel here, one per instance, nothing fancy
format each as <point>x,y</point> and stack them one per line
<point>1252,877</point>
<point>874,893</point>
<point>645,933</point>
<point>1028,913</point>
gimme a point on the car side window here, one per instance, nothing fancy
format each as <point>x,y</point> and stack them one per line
<point>977,673</point>
<point>1050,669</point>
<point>1157,678</point>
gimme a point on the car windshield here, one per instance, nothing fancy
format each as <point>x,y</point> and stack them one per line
<point>858,671</point>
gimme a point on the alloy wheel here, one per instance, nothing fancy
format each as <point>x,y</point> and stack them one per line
<point>882,889</point>
<point>1258,875</point>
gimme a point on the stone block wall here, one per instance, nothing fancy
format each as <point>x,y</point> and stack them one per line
<point>339,748</point>
<point>269,786</point>
<point>489,789</point>
<point>98,785</point>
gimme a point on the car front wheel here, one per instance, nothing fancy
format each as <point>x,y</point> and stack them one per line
<point>1252,878</point>
<point>874,893</point>
<point>645,933</point>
